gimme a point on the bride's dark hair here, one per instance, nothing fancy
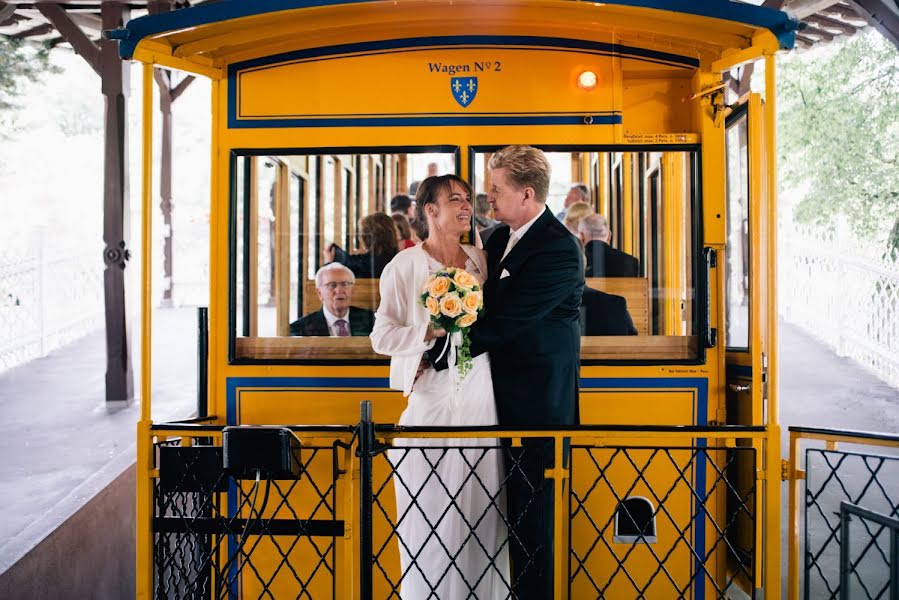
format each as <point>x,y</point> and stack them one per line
<point>430,188</point>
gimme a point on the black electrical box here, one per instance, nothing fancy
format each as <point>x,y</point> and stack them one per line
<point>273,451</point>
<point>191,469</point>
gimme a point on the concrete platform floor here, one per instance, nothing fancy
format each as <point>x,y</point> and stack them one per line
<point>62,445</point>
<point>60,442</point>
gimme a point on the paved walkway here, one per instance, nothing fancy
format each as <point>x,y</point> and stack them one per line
<point>61,445</point>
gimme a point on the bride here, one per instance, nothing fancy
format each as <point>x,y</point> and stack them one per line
<point>452,537</point>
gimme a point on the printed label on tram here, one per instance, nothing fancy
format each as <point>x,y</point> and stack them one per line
<point>660,138</point>
<point>477,66</point>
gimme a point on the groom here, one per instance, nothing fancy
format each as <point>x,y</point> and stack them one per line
<point>532,299</point>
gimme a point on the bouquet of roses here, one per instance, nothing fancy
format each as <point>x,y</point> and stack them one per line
<point>454,300</point>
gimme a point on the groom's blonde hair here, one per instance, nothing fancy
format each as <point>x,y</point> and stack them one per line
<point>528,167</point>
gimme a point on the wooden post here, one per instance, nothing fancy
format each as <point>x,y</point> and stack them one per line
<point>103,57</point>
<point>116,234</point>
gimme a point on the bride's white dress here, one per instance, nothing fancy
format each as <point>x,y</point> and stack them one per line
<point>452,538</point>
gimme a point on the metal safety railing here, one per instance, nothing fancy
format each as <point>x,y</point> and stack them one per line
<point>844,514</point>
<point>380,511</point>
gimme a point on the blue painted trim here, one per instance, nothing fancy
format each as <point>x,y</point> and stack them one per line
<point>430,120</point>
<point>700,384</point>
<point>778,22</point>
<point>466,41</point>
<point>461,120</point>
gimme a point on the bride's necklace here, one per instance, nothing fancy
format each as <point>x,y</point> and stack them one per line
<point>457,261</point>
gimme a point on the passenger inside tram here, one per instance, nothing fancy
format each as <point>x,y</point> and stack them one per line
<point>602,259</point>
<point>403,205</point>
<point>337,317</point>
<point>289,209</point>
<point>404,231</point>
<point>379,237</point>
<point>574,214</point>
<point>578,193</point>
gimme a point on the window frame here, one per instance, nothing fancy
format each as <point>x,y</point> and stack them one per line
<point>699,274</point>
<point>235,154</point>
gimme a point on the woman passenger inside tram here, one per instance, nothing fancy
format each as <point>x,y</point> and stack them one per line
<point>404,229</point>
<point>379,236</point>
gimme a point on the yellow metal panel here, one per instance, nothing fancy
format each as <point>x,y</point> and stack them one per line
<point>627,203</point>
<point>544,82</point>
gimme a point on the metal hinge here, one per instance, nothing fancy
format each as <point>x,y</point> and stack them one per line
<point>787,473</point>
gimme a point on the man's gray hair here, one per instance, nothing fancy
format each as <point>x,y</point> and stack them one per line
<point>334,266</point>
<point>595,227</point>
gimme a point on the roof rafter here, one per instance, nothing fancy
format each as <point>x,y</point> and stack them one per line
<point>82,44</point>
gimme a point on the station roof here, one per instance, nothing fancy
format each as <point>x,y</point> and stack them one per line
<point>823,20</point>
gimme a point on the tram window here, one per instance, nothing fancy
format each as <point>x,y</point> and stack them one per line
<point>736,267</point>
<point>642,252</point>
<point>288,212</point>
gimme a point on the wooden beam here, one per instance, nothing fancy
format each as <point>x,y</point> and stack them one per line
<point>819,33</point>
<point>800,9</point>
<point>7,14</point>
<point>827,23</point>
<point>182,85</point>
<point>805,42</point>
<point>881,15</point>
<point>39,30</point>
<point>73,34</point>
<point>844,12</point>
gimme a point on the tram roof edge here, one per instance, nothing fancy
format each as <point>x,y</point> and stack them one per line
<point>778,22</point>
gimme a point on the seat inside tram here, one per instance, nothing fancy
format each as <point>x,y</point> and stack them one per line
<point>289,209</point>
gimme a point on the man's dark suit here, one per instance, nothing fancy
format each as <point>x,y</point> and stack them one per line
<point>605,314</point>
<point>532,332</point>
<point>315,324</point>
<point>605,261</point>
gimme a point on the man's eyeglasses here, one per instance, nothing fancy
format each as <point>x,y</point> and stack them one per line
<point>333,285</point>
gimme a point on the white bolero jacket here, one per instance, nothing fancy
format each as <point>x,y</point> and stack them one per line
<point>400,321</point>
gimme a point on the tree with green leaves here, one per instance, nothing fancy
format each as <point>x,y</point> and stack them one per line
<point>20,61</point>
<point>839,133</point>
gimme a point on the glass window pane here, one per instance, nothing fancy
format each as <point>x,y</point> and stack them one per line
<point>737,251</point>
<point>298,207</point>
<point>638,250</point>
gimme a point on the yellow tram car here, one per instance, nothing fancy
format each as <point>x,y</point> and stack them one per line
<point>322,111</point>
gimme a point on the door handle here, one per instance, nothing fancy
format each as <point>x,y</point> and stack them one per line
<point>737,387</point>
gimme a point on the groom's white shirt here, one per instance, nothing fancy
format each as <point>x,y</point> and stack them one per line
<point>401,321</point>
<point>515,235</point>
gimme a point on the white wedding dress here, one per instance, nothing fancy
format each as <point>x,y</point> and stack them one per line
<point>451,534</point>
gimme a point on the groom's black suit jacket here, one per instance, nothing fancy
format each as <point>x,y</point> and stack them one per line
<point>531,327</point>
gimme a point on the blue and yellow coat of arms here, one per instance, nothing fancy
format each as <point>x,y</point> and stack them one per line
<point>464,89</point>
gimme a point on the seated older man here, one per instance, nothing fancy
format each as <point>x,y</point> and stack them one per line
<point>336,318</point>
<point>602,259</point>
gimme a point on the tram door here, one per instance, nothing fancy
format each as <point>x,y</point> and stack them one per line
<point>747,295</point>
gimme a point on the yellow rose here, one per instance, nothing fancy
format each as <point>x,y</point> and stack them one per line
<point>438,286</point>
<point>433,306</point>
<point>466,320</point>
<point>464,280</point>
<point>451,305</point>
<point>471,302</point>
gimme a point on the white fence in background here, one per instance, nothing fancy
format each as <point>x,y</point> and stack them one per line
<point>845,293</point>
<point>47,299</point>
